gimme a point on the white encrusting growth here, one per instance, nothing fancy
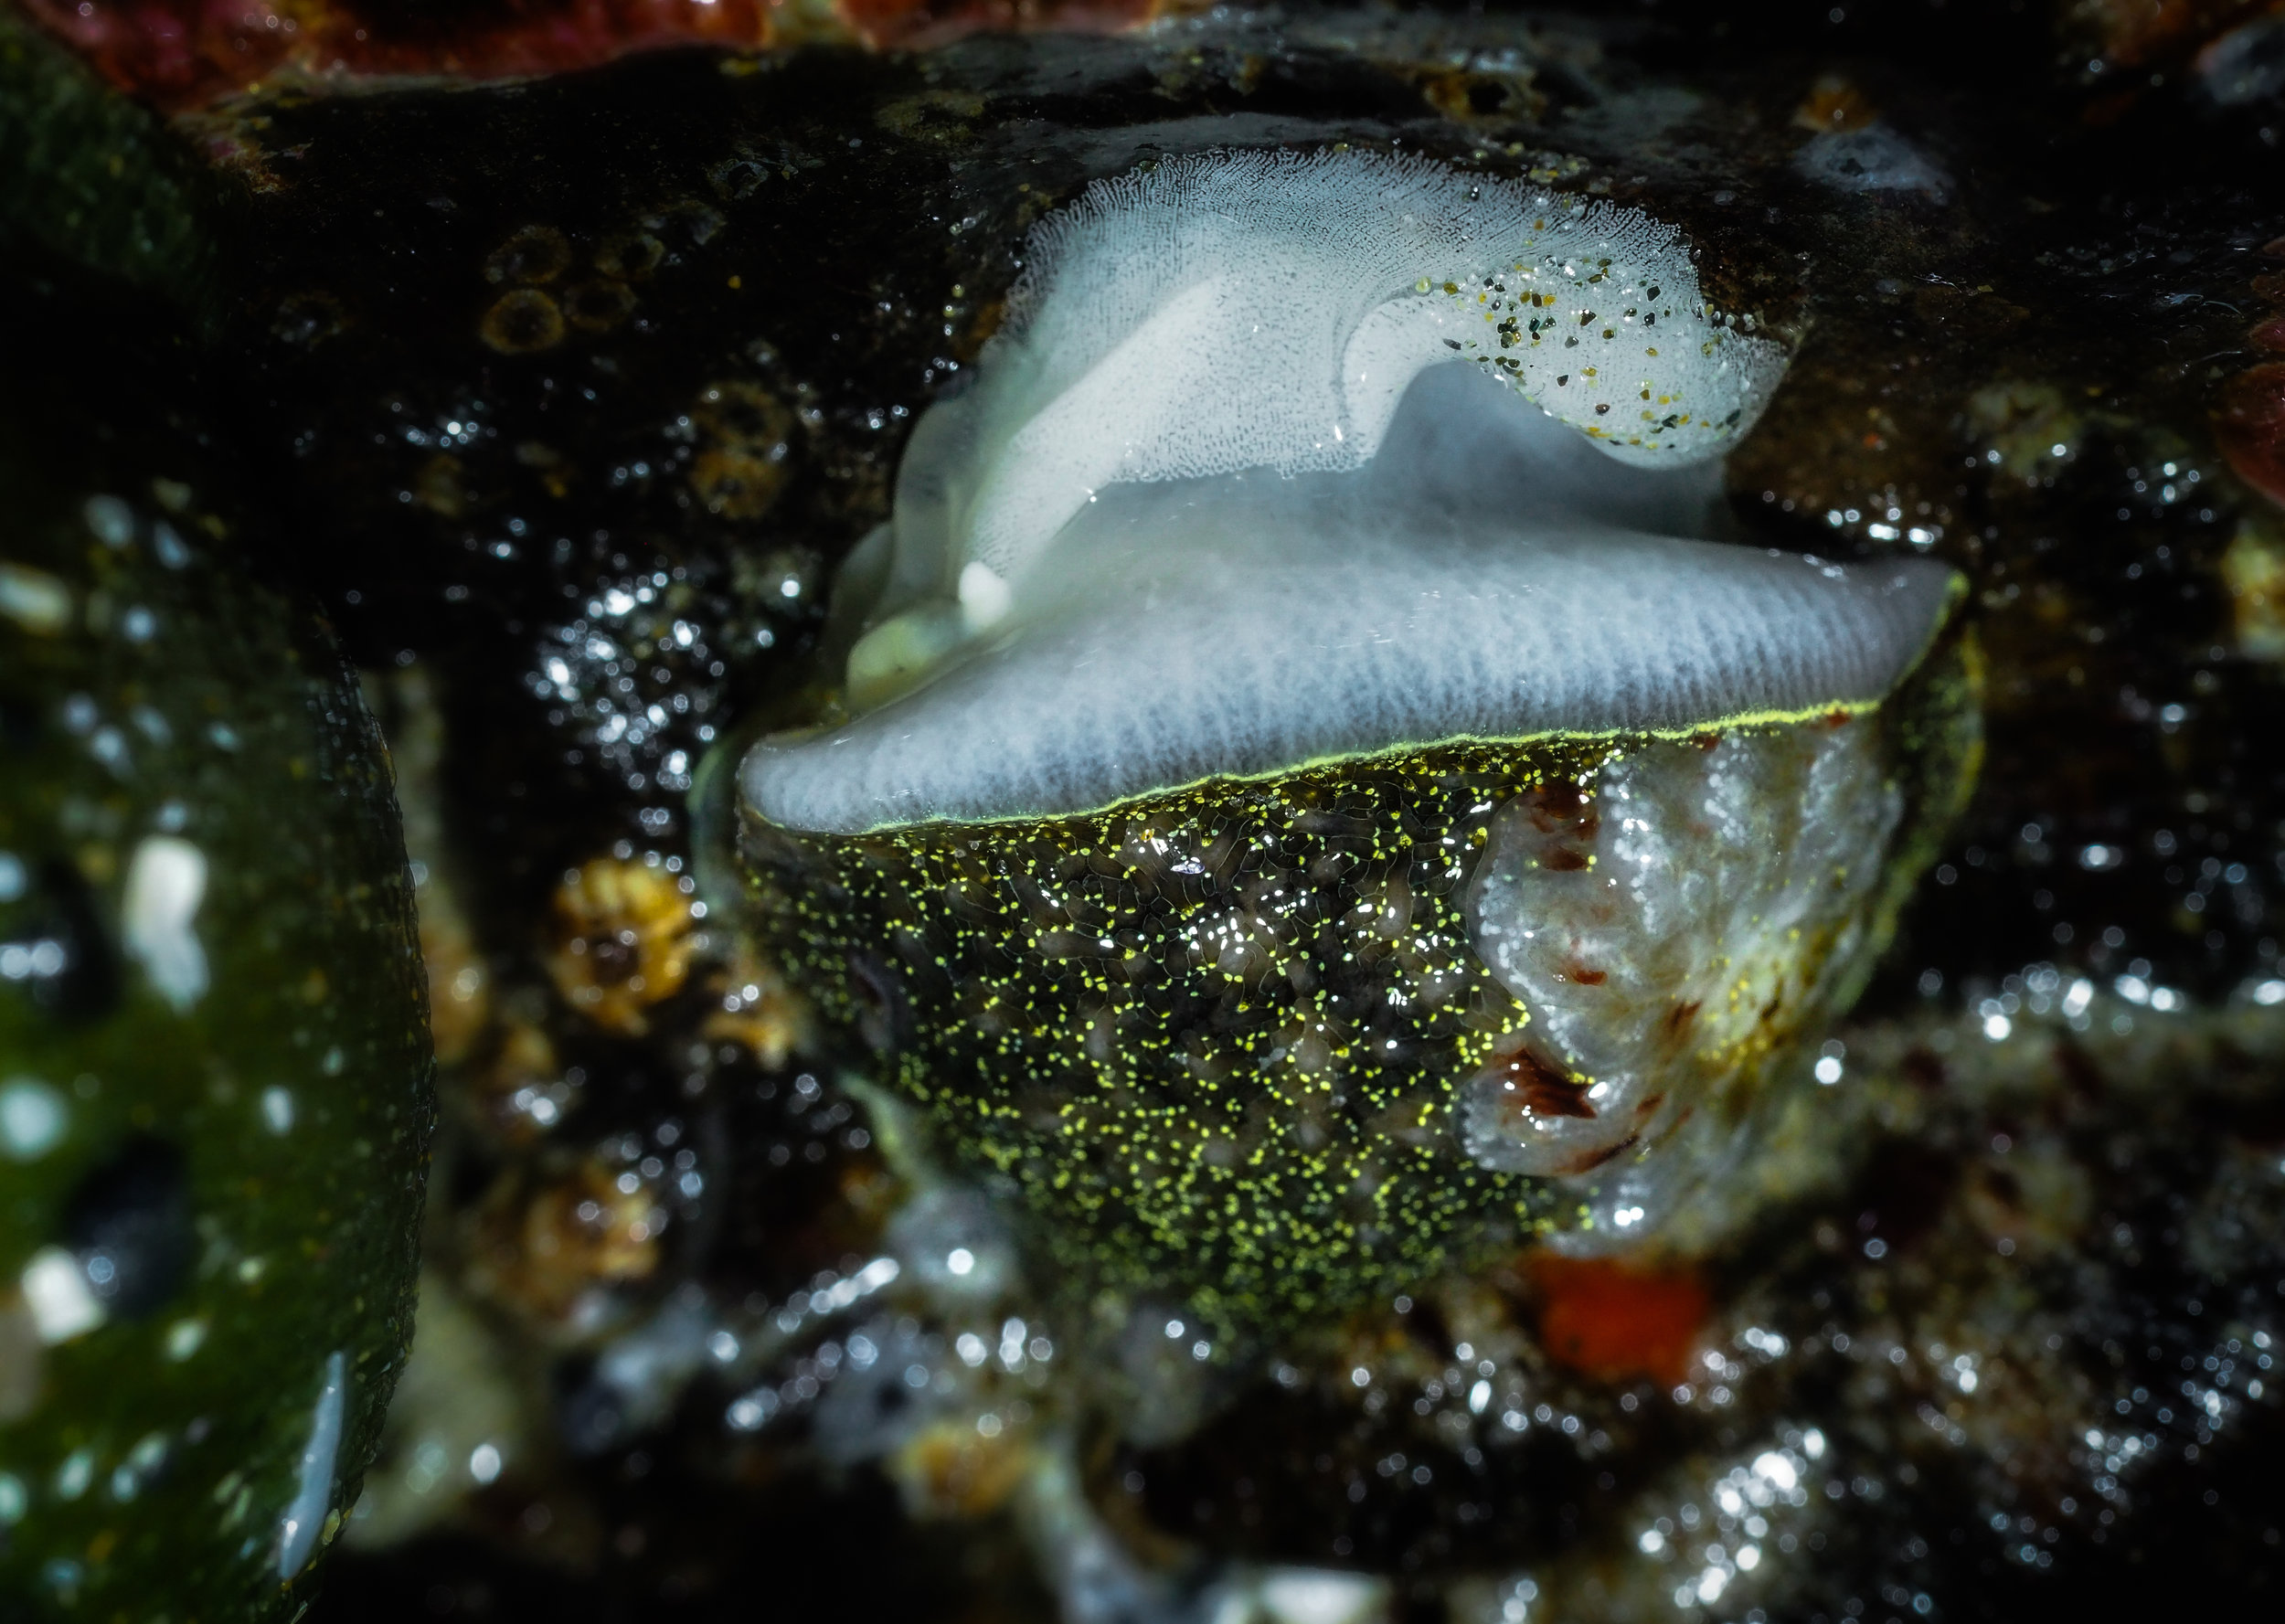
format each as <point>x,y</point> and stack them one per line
<point>1702,904</point>
<point>166,880</point>
<point>314,1484</point>
<point>1245,482</point>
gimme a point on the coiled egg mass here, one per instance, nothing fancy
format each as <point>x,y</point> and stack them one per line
<point>1313,793</point>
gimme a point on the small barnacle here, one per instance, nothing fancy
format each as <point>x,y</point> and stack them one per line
<point>540,1241</point>
<point>522,322</point>
<point>759,1012</point>
<point>440,486</point>
<point>961,1466</point>
<point>1288,884</point>
<point>534,254</point>
<point>629,256</point>
<point>745,449</point>
<point>597,304</point>
<point>625,941</point>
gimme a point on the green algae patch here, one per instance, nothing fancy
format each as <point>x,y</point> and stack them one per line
<point>1211,1036</point>
<point>1240,1045</point>
<point>95,179</point>
<point>215,1093</point>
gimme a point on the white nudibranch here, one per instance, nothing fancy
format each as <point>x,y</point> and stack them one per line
<point>1246,482</point>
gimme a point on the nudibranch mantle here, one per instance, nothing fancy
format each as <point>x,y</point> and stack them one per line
<point>1490,575</point>
<point>1253,477</point>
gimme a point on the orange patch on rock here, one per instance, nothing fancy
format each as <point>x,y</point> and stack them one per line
<point>1615,1322</point>
<point>1834,104</point>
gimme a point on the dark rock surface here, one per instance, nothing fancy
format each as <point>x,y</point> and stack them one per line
<point>564,398</point>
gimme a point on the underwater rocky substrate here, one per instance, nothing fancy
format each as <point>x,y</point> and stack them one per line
<point>568,417</point>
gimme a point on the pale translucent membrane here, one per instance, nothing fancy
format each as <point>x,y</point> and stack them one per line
<point>303,1522</point>
<point>1268,309</point>
<point>1489,574</point>
<point>1670,937</point>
